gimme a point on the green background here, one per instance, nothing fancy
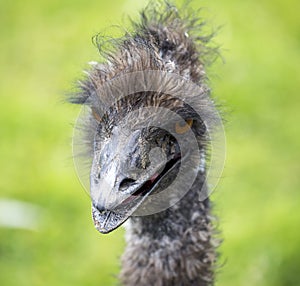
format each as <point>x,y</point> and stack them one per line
<point>44,47</point>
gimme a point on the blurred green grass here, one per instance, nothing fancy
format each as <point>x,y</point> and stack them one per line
<point>46,44</point>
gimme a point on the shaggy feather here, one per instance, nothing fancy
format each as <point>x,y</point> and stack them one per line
<point>178,245</point>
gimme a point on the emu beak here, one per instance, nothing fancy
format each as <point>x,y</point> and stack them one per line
<point>114,183</point>
<point>118,187</point>
<point>113,196</point>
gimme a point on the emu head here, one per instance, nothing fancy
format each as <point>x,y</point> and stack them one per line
<point>147,146</point>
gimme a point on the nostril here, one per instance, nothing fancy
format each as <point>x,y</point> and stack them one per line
<point>126,183</point>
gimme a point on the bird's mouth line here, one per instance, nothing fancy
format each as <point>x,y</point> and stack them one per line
<point>152,182</point>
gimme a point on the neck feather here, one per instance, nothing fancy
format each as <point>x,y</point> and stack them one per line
<point>174,247</point>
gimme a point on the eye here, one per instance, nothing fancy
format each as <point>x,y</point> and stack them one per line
<point>96,115</point>
<point>182,128</point>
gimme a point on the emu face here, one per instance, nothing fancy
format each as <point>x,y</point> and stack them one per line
<point>133,159</point>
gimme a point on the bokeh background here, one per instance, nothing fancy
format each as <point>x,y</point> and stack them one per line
<point>49,239</point>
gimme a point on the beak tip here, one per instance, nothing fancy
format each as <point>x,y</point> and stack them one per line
<point>106,221</point>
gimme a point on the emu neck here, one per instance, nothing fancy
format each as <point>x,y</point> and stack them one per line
<point>174,247</point>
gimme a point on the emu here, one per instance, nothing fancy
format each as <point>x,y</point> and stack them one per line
<point>147,98</point>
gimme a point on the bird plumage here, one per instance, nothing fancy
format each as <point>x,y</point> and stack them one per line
<point>159,65</point>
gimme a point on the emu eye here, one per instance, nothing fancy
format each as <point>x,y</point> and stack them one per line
<point>183,128</point>
<point>96,115</point>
